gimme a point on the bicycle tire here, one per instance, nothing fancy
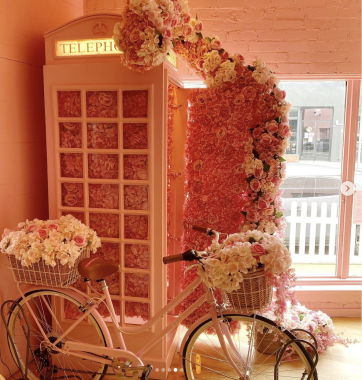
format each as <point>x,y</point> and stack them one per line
<point>38,298</point>
<point>218,364</point>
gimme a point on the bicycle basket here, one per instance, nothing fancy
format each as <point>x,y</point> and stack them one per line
<point>254,293</point>
<point>39,273</point>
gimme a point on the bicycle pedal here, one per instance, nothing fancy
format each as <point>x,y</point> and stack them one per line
<point>146,372</point>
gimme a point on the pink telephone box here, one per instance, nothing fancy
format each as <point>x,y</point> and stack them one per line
<point>107,164</point>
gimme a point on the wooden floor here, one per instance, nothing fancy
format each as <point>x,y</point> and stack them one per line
<point>337,363</point>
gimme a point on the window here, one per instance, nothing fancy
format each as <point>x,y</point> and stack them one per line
<point>311,191</point>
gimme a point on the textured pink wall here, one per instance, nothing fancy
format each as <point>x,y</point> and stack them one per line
<point>292,36</point>
<point>23,168</point>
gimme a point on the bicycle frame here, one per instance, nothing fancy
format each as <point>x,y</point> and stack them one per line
<point>76,348</point>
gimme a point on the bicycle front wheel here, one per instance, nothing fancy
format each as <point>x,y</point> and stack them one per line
<point>55,312</point>
<point>203,357</point>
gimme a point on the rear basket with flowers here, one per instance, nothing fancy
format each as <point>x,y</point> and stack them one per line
<point>242,265</point>
<point>48,252</point>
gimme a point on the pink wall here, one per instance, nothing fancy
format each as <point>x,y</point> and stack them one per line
<point>23,176</point>
<point>292,36</point>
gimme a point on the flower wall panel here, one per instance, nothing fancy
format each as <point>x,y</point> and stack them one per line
<point>136,256</point>
<point>70,135</point>
<point>102,135</point>
<point>135,136</point>
<point>136,227</point>
<point>135,166</point>
<point>136,285</point>
<point>135,103</point>
<point>69,104</point>
<point>103,311</point>
<point>102,104</point>
<point>135,197</point>
<point>106,129</point>
<point>79,215</point>
<point>72,194</point>
<point>103,196</point>
<point>106,225</point>
<point>136,310</point>
<point>71,165</point>
<point>103,166</point>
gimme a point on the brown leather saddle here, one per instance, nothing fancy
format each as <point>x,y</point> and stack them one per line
<point>95,268</point>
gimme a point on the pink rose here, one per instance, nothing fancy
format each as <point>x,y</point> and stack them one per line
<point>80,240</point>
<point>187,30</point>
<point>42,233</point>
<point>263,203</point>
<point>269,196</point>
<point>134,36</point>
<point>255,185</point>
<point>52,227</point>
<point>167,33</point>
<point>186,18</point>
<point>266,139</point>
<point>257,132</point>
<point>259,173</point>
<point>252,216</point>
<point>249,93</point>
<point>215,44</point>
<point>32,228</point>
<point>279,94</point>
<point>173,22</point>
<point>70,199</point>
<point>198,26</point>
<point>257,250</point>
<point>284,130</point>
<point>272,127</point>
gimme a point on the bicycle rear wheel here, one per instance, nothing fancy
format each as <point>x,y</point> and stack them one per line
<point>203,357</point>
<point>44,363</point>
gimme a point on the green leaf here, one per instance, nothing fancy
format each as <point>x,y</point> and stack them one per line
<point>281,159</point>
<point>272,203</point>
<point>221,51</point>
<point>266,167</point>
<point>279,214</point>
<point>199,34</point>
<point>279,119</point>
<point>249,179</point>
<point>243,212</point>
<point>255,153</point>
<point>208,39</point>
<point>89,243</point>
<point>301,316</point>
<point>252,240</point>
<point>260,193</point>
<point>173,43</point>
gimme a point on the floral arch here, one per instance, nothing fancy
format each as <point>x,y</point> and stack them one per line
<point>237,132</point>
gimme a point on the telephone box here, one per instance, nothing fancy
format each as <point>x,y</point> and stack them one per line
<point>107,165</point>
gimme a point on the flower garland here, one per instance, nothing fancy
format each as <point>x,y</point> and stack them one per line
<point>52,241</point>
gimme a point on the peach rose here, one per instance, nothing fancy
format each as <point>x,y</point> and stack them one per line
<point>257,250</point>
<point>80,240</point>
<point>255,185</point>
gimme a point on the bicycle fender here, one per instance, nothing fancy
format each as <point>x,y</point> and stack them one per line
<point>80,299</point>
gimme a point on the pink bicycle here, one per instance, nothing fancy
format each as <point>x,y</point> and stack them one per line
<point>224,344</point>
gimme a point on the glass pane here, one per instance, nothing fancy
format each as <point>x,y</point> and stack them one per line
<point>355,259</point>
<point>314,163</point>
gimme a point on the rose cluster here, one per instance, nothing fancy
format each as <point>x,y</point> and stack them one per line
<point>52,241</point>
<point>239,254</point>
<point>145,34</point>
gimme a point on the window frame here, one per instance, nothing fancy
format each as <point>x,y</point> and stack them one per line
<point>353,85</point>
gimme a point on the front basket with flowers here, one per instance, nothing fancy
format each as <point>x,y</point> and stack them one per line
<point>48,252</point>
<point>243,266</point>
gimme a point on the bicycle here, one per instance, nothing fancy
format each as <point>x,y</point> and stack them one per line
<point>222,344</point>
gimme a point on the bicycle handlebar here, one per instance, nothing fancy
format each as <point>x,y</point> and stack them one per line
<point>205,230</point>
<point>189,255</point>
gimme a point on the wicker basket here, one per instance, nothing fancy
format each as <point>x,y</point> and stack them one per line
<point>41,274</point>
<point>265,344</point>
<point>253,295</point>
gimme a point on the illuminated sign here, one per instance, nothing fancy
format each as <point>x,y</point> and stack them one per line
<point>76,48</point>
<point>172,58</point>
